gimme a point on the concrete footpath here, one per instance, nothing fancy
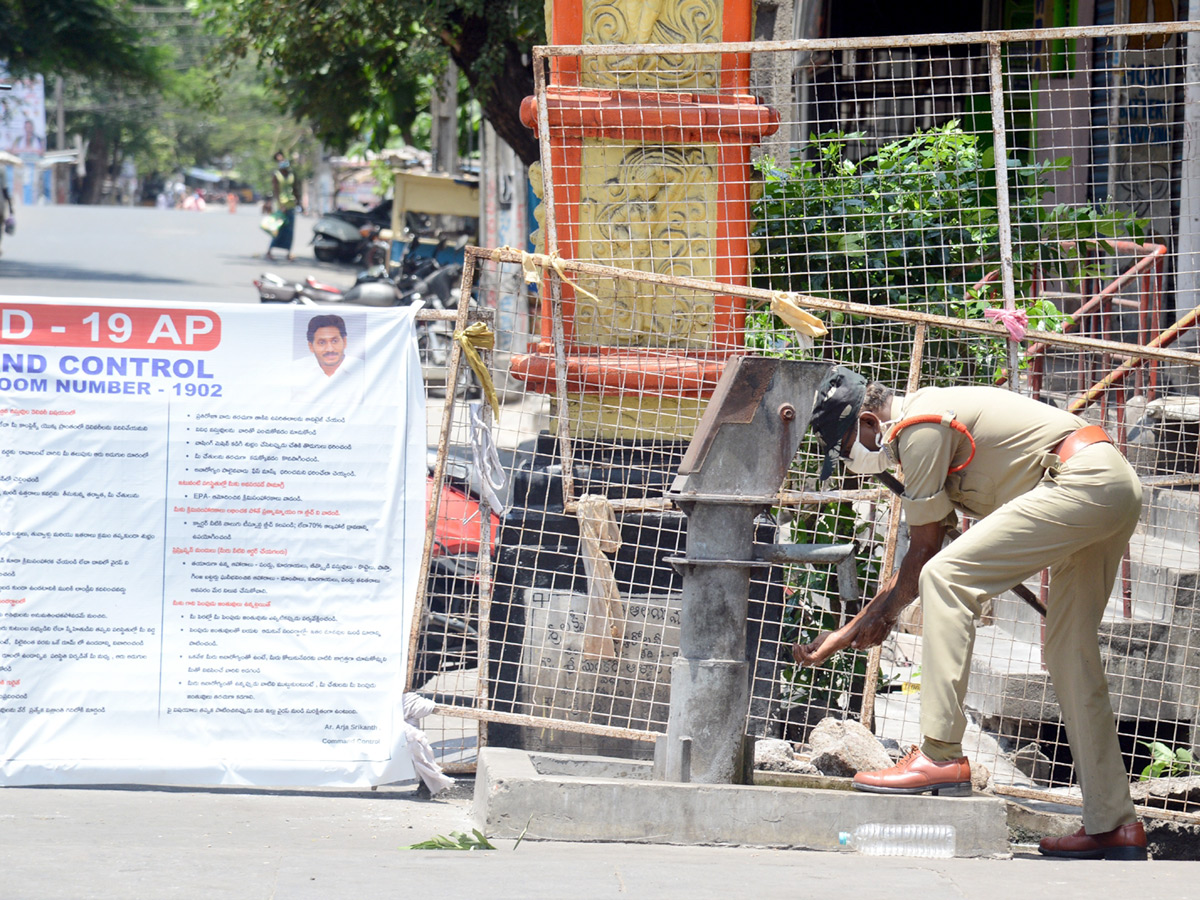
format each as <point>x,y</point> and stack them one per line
<point>246,844</point>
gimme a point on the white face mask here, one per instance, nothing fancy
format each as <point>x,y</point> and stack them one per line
<point>862,461</point>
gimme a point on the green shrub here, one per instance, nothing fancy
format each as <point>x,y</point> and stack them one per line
<point>916,226</point>
<point>1166,763</point>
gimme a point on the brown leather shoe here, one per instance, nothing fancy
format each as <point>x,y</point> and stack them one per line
<point>918,774</point>
<point>1126,842</point>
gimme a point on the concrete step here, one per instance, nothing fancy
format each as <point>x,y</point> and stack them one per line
<point>1162,579</point>
<point>1172,514</point>
<point>584,798</point>
<point>1007,679</point>
<point>1146,655</point>
<point>1008,655</point>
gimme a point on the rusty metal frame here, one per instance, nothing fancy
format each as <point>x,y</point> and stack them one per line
<point>1153,812</point>
<point>866,43</point>
<point>886,313</point>
<point>1148,267</point>
<point>1003,210</point>
<point>550,233</point>
<point>921,322</point>
<point>867,716</point>
<point>461,317</point>
<point>556,269</point>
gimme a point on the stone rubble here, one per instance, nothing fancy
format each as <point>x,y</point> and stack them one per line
<point>843,747</point>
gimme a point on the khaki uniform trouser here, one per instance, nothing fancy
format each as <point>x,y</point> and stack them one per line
<point>1078,524</point>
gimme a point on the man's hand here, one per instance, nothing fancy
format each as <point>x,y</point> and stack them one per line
<point>868,628</point>
<point>875,623</point>
<point>816,651</point>
<point>825,645</point>
<point>877,619</point>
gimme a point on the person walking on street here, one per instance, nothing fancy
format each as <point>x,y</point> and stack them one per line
<point>283,189</point>
<point>8,222</point>
<point>1048,490</point>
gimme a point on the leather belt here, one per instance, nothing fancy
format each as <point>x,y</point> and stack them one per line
<point>1077,440</point>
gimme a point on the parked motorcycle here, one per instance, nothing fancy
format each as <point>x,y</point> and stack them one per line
<point>371,288</point>
<point>416,266</point>
<point>415,277</point>
<point>450,639</point>
<point>345,235</point>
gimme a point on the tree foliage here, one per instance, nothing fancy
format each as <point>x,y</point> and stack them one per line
<point>357,67</point>
<point>178,127</point>
<point>85,37</point>
<point>189,116</point>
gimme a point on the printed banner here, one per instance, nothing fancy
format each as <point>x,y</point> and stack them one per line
<point>23,116</point>
<point>210,542</point>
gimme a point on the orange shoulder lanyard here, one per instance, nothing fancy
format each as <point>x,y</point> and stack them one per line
<point>948,420</point>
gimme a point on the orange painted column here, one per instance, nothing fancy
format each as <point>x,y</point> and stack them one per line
<point>651,158</point>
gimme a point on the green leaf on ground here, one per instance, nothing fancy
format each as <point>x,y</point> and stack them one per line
<point>456,841</point>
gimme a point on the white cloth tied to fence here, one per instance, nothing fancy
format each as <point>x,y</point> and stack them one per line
<point>486,459</point>
<point>600,535</point>
<point>416,708</point>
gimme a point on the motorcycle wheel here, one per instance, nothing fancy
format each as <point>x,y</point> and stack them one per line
<point>326,254</point>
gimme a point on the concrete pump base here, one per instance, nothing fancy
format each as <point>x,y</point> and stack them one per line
<point>557,797</point>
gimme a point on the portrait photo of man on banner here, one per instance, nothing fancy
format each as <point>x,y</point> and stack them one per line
<point>23,134</point>
<point>330,350</point>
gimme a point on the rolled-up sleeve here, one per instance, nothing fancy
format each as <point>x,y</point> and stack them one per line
<point>924,452</point>
<point>923,510</point>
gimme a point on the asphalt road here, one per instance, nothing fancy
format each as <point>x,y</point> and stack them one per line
<point>246,844</point>
<point>138,253</point>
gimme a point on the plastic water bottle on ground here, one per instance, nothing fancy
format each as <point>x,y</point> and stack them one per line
<point>875,839</point>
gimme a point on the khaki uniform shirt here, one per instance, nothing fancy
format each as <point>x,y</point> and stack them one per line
<point>1013,434</point>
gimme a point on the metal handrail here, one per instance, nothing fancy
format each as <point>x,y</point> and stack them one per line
<point>1149,263</point>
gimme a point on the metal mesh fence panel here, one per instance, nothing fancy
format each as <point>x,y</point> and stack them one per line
<point>927,199</point>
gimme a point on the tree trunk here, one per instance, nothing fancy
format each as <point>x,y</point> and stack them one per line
<point>95,168</point>
<point>116,155</point>
<point>501,96</point>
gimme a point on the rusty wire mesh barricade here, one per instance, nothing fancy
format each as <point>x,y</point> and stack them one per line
<point>442,643</point>
<point>868,176</point>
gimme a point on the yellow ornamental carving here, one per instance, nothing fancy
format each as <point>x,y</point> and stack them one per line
<point>651,208</point>
<point>652,22</point>
<point>538,236</point>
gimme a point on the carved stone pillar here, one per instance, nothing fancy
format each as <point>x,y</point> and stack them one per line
<point>651,163</point>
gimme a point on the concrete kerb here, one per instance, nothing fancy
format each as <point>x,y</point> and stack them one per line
<point>562,798</point>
